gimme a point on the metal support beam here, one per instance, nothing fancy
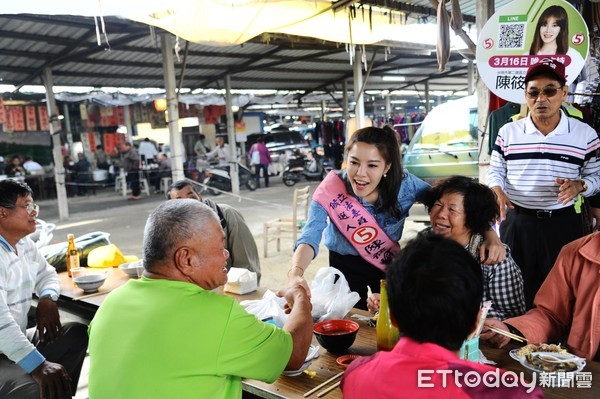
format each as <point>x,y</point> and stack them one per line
<point>388,106</point>
<point>359,109</point>
<point>485,9</point>
<point>427,104</point>
<point>233,171</point>
<point>128,124</point>
<point>55,128</point>
<point>175,138</point>
<point>346,110</point>
<point>67,119</point>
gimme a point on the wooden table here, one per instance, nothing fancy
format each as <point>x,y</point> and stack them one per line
<point>87,306</point>
<point>325,365</point>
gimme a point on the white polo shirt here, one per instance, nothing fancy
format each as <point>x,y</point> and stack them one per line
<point>525,163</point>
<point>22,272</point>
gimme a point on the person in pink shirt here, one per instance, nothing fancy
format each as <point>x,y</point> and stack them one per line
<point>260,161</point>
<point>434,290</point>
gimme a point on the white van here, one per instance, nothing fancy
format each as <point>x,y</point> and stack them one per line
<point>446,143</point>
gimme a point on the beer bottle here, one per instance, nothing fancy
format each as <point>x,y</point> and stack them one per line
<point>387,333</point>
<point>72,254</point>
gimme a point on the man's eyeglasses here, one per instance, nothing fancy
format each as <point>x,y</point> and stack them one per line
<point>29,208</point>
<point>548,92</point>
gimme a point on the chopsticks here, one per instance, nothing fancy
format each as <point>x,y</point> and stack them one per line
<point>507,334</point>
<point>324,392</point>
<point>373,319</point>
<point>91,295</point>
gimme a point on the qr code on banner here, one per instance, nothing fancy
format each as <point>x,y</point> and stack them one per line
<point>511,36</point>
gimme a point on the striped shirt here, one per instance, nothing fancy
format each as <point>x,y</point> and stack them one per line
<point>525,163</point>
<point>21,273</point>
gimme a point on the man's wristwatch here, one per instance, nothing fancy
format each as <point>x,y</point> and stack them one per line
<point>584,186</point>
<point>53,297</point>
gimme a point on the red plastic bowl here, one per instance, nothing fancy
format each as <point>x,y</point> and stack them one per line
<point>345,360</point>
<point>336,335</point>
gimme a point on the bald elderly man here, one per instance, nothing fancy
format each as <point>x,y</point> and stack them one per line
<point>239,240</point>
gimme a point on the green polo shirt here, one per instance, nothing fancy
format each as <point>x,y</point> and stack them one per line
<point>170,339</point>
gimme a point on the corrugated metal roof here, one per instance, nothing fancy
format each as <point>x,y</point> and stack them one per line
<point>68,44</point>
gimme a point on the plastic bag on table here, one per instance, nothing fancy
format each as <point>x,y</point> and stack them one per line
<point>269,307</point>
<point>56,254</point>
<point>331,295</point>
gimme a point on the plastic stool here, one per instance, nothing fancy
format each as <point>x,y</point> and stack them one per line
<point>165,182</point>
<point>119,180</point>
<point>121,185</point>
<point>144,187</point>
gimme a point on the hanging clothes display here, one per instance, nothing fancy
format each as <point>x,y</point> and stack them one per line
<point>499,118</point>
<point>330,135</point>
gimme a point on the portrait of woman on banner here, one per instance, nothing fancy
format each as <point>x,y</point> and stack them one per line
<point>551,32</point>
<point>551,36</point>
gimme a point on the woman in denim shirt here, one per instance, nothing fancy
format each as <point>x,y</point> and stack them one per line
<point>374,176</point>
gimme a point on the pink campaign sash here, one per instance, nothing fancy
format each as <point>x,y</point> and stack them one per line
<point>354,222</point>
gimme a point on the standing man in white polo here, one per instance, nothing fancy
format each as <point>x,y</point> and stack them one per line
<point>539,165</point>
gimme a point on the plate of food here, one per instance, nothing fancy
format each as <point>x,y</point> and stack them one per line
<point>552,362</point>
<point>520,353</point>
<point>313,353</point>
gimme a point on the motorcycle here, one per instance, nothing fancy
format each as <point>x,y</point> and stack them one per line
<point>313,169</point>
<point>219,178</point>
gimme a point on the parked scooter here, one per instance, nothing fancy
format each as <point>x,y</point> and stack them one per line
<point>219,178</point>
<point>299,167</point>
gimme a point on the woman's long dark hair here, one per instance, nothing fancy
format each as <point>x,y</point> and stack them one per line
<point>386,141</point>
<point>562,40</point>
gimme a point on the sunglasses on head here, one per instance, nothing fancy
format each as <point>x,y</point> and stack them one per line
<point>548,92</point>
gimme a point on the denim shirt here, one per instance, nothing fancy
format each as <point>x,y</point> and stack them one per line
<point>412,190</point>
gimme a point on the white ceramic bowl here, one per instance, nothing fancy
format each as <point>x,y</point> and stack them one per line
<point>133,269</point>
<point>313,353</point>
<point>90,282</point>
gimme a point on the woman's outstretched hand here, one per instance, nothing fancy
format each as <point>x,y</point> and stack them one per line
<point>296,277</point>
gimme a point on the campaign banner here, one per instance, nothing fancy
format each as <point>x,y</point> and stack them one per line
<point>521,34</point>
